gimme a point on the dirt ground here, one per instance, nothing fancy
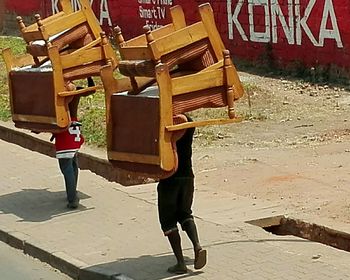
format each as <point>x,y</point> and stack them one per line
<point>293,150</point>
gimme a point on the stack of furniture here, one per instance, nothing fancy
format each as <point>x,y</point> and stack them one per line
<point>170,71</point>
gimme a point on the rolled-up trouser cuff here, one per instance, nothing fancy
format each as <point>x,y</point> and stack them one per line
<point>168,232</point>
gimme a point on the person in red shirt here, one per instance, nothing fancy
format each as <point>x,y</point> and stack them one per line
<point>67,144</point>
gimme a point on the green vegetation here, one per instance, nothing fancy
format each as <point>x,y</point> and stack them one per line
<point>92,114</point>
<point>17,47</point>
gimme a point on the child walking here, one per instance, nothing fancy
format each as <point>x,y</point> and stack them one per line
<point>67,144</point>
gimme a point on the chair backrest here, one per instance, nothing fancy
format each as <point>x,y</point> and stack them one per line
<point>136,48</point>
<point>66,30</point>
<point>176,42</point>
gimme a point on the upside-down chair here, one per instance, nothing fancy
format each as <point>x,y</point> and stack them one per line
<point>40,82</point>
<point>170,71</point>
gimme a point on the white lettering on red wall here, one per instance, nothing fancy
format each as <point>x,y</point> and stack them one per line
<point>153,12</point>
<point>103,15</point>
<point>265,16</point>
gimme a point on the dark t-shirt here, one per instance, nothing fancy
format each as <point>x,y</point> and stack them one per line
<point>184,153</point>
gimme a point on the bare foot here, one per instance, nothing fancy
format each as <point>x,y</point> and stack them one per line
<point>178,269</point>
<point>200,258</point>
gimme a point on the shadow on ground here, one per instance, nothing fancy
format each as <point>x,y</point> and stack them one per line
<point>145,267</point>
<point>37,205</point>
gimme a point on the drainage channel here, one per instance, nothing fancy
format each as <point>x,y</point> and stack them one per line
<point>281,225</point>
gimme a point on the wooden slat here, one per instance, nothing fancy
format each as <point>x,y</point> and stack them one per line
<point>178,39</point>
<point>110,85</point>
<point>135,53</point>
<point>80,58</point>
<point>8,58</point>
<point>163,31</point>
<point>237,85</point>
<point>19,61</point>
<point>137,41</point>
<point>214,66</point>
<point>199,81</point>
<point>80,91</point>
<point>60,24</point>
<point>167,159</point>
<point>91,18</point>
<point>88,46</point>
<point>50,18</point>
<point>207,17</point>
<point>141,40</point>
<point>178,17</point>
<point>32,36</point>
<point>66,6</point>
<point>202,123</point>
<point>34,27</point>
<point>34,118</point>
<point>61,106</point>
<point>132,157</point>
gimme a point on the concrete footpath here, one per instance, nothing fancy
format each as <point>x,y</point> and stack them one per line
<point>115,233</point>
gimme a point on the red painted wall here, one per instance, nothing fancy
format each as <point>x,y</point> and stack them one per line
<point>24,8</point>
<point>308,32</point>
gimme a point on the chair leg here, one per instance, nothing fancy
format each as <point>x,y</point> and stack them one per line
<point>229,84</point>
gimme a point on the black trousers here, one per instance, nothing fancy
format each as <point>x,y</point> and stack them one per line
<point>175,197</point>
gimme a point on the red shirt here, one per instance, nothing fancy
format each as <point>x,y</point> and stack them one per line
<point>68,142</point>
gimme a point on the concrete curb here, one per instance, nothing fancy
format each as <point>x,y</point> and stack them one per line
<point>60,260</point>
<point>99,166</point>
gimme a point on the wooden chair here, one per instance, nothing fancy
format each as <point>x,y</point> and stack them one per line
<point>190,69</point>
<point>61,49</point>
<point>142,129</point>
<point>40,95</point>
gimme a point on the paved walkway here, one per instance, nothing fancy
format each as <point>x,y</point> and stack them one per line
<point>116,229</point>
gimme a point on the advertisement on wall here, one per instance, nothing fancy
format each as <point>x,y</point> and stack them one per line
<point>312,31</point>
<point>285,31</point>
<point>130,15</point>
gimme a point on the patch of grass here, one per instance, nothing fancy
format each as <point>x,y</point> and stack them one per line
<point>209,135</point>
<point>17,46</point>
<point>92,113</point>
